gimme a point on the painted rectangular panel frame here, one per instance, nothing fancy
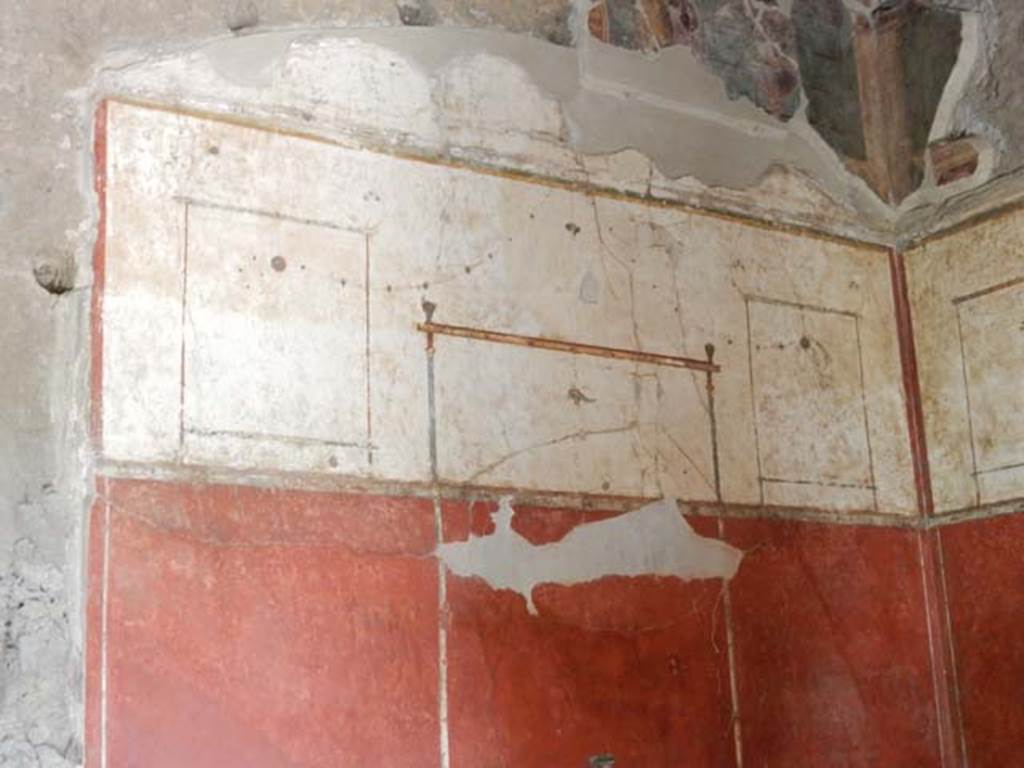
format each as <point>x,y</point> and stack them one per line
<point>290,399</point>
<point>846,464</point>
<point>991,362</point>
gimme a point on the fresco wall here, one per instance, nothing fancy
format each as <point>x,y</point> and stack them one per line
<point>378,439</point>
<point>967,292</point>
<point>262,294</point>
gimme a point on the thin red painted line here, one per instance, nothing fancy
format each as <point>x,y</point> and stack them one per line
<point>911,384</point>
<point>947,707</point>
<point>956,711</point>
<point>987,291</point>
<point>98,278</point>
<point>105,630</point>
<point>93,634</point>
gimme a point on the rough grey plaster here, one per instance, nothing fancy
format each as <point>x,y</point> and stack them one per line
<point>36,637</point>
<point>654,540</point>
<point>550,20</point>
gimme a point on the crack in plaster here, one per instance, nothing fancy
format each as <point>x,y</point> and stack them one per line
<point>581,434</point>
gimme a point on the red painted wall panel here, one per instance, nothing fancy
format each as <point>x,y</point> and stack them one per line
<point>256,628</point>
<point>831,646</point>
<point>633,668</point>
<point>94,657</point>
<point>984,571</point>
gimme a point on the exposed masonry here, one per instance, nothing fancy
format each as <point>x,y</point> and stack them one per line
<point>654,540</point>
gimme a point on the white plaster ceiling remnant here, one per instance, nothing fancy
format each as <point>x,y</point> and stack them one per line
<point>654,540</point>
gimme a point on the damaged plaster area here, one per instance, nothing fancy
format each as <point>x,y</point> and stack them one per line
<point>707,106</point>
<point>34,728</point>
<point>983,104</point>
<point>664,127</point>
<point>749,45</point>
<point>867,78</point>
<point>654,540</point>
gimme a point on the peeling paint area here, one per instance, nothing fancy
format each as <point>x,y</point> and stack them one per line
<point>252,320</point>
<point>654,540</point>
<point>967,292</point>
<point>708,92</point>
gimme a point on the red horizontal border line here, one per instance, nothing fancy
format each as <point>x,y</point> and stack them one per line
<point>976,513</point>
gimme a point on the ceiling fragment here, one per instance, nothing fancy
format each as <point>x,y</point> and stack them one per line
<point>873,73</point>
<point>749,44</point>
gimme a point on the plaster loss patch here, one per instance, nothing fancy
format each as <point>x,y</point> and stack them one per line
<point>654,540</point>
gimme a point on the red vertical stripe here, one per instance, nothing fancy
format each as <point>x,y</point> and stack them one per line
<point>934,583</point>
<point>98,278</point>
<point>911,384</point>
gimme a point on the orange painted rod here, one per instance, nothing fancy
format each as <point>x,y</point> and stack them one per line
<point>557,345</point>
